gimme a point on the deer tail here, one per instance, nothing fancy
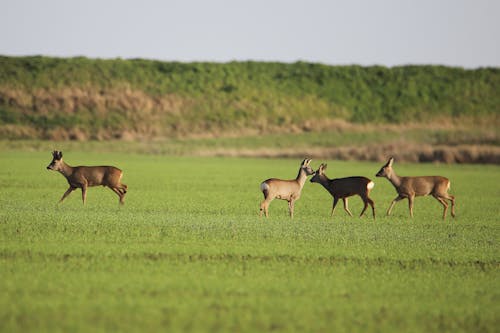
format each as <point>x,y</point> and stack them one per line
<point>370,185</point>
<point>264,187</point>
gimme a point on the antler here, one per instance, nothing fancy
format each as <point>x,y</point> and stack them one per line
<point>57,154</point>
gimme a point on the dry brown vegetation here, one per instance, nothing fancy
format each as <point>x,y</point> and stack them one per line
<point>127,113</point>
<point>379,153</point>
<point>132,115</point>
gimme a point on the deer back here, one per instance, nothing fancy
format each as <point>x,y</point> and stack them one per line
<point>96,175</point>
<point>342,187</point>
<point>349,185</point>
<point>423,185</point>
<point>280,188</point>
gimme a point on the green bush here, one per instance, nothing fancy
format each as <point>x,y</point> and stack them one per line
<point>236,94</point>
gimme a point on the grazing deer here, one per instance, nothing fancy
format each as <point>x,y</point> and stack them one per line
<point>342,188</point>
<point>411,187</point>
<point>288,190</point>
<point>85,176</point>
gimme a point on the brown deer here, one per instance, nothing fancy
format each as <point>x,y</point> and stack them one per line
<point>288,190</point>
<point>85,176</point>
<point>343,188</point>
<point>411,187</point>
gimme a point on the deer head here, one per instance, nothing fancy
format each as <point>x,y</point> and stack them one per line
<point>56,161</point>
<point>386,170</point>
<point>306,167</point>
<point>319,173</point>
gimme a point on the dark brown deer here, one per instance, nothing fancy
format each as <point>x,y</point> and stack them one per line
<point>343,188</point>
<point>411,187</point>
<point>288,190</point>
<point>86,176</point>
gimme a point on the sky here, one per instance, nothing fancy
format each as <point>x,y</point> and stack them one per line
<point>464,33</point>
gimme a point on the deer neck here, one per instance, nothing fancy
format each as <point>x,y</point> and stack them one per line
<point>66,170</point>
<point>325,182</point>
<point>301,178</point>
<point>394,179</point>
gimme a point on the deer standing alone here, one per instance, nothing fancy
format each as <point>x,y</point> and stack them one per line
<point>411,187</point>
<point>342,188</point>
<point>85,176</point>
<point>288,190</point>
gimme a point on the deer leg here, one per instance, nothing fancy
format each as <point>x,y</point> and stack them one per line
<point>372,203</point>
<point>444,203</point>
<point>262,208</point>
<point>123,196</point>
<point>70,189</point>
<point>410,204</point>
<point>120,194</point>
<point>398,198</point>
<point>123,188</point>
<point>264,205</point>
<point>291,204</point>
<point>452,200</point>
<point>335,201</point>
<point>84,193</point>
<point>367,201</point>
<point>346,204</point>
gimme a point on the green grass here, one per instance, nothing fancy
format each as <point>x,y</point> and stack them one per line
<point>188,252</point>
<point>486,134</point>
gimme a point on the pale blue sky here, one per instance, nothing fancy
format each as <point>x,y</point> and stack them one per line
<point>386,32</point>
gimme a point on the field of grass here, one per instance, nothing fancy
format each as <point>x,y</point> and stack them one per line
<point>188,252</point>
<point>344,141</point>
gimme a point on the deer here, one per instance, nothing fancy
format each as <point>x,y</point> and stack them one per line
<point>411,187</point>
<point>288,190</point>
<point>86,176</point>
<point>343,188</point>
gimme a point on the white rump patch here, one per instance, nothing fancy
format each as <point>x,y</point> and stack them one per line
<point>370,185</point>
<point>264,187</point>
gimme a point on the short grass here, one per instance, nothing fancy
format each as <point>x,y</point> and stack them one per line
<point>351,135</point>
<point>188,252</point>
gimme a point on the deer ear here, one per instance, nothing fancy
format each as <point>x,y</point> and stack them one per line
<point>389,163</point>
<point>324,166</point>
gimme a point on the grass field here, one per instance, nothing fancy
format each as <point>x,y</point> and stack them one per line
<point>188,252</point>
